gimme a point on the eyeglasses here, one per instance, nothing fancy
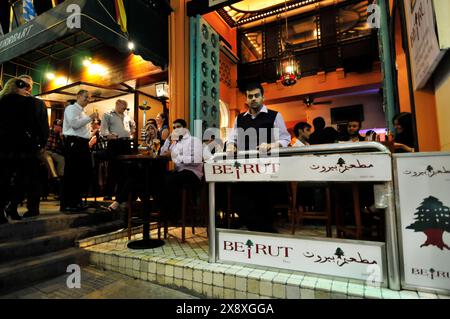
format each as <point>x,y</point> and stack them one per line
<point>21,84</point>
<point>177,126</point>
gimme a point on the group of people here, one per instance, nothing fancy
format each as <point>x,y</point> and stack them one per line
<point>254,201</point>
<point>70,142</point>
<point>403,141</point>
<point>65,149</point>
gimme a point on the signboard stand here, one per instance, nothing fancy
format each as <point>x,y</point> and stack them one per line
<point>355,162</point>
<point>423,206</point>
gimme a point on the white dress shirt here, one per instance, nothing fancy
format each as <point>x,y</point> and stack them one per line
<point>76,122</point>
<point>187,154</point>
<point>121,125</point>
<point>299,143</point>
<point>284,138</point>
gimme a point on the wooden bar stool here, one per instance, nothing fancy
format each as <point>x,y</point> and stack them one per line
<point>154,216</point>
<point>302,213</point>
<point>342,229</point>
<point>194,204</point>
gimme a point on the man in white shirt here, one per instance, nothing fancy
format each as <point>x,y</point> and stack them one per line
<point>302,132</point>
<point>269,125</point>
<point>186,152</point>
<point>77,171</point>
<point>257,129</point>
<point>118,128</point>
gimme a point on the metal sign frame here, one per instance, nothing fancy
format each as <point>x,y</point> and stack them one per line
<point>380,245</point>
<point>399,222</point>
<point>367,147</point>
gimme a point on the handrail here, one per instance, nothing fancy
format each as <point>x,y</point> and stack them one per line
<point>365,147</point>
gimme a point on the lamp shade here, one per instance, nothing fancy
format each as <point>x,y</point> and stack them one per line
<point>289,68</point>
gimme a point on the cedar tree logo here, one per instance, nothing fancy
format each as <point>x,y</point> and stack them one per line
<point>433,219</point>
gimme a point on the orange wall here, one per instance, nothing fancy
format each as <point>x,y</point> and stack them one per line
<point>223,29</point>
<point>426,114</point>
<point>442,92</point>
<point>294,112</point>
<point>426,120</point>
<point>179,61</point>
<point>327,84</point>
<point>402,83</point>
<point>319,84</point>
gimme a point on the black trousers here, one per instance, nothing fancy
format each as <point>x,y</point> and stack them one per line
<point>77,171</point>
<point>29,185</point>
<point>171,194</point>
<point>19,177</point>
<point>115,169</point>
<point>254,202</point>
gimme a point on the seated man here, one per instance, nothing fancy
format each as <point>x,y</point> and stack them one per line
<point>55,154</point>
<point>302,132</point>
<point>186,153</point>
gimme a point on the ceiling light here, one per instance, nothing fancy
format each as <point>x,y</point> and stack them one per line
<point>87,62</point>
<point>61,81</point>
<point>50,76</point>
<point>97,69</point>
<point>131,46</point>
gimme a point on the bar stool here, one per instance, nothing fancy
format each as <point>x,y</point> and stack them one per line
<point>302,212</point>
<point>342,229</point>
<point>155,216</point>
<point>229,214</point>
<point>194,203</point>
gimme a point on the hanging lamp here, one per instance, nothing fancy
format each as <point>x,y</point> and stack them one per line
<point>288,68</point>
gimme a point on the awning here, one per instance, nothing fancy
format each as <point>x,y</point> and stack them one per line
<point>86,23</point>
<point>99,93</point>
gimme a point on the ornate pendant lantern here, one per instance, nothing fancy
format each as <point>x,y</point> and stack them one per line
<point>288,69</point>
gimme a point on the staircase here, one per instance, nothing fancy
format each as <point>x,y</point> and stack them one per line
<point>42,248</point>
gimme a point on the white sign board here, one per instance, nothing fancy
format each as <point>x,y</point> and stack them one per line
<point>216,2</point>
<point>423,197</point>
<point>332,168</point>
<point>442,10</point>
<point>425,50</point>
<point>360,261</point>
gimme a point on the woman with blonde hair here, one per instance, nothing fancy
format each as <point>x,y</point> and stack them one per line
<point>17,128</point>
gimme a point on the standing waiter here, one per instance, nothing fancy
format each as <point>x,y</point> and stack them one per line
<point>118,128</point>
<point>265,130</point>
<point>77,171</point>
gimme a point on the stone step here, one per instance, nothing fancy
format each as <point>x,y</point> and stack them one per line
<point>34,227</point>
<point>53,241</point>
<point>18,274</point>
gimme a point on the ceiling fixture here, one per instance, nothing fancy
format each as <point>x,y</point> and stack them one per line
<point>309,101</point>
<point>87,62</point>
<point>131,46</point>
<point>50,76</point>
<point>288,69</point>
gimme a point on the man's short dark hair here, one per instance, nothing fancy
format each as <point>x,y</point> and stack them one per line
<point>181,122</point>
<point>254,86</point>
<point>319,123</point>
<point>300,126</point>
<point>356,121</point>
<point>82,92</point>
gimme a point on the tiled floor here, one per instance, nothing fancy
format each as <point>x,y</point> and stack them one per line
<point>186,266</point>
<point>96,284</point>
